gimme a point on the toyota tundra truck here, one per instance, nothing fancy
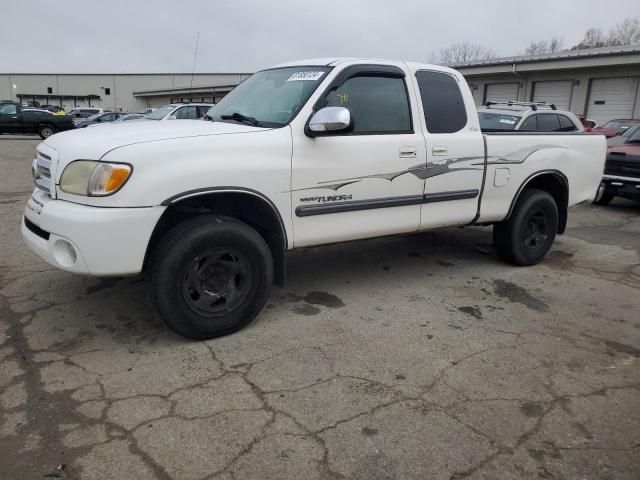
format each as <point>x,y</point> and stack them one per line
<point>303,154</point>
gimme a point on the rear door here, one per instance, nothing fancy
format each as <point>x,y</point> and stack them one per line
<point>455,150</point>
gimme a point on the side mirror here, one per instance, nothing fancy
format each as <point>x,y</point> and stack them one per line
<point>172,117</point>
<point>330,119</point>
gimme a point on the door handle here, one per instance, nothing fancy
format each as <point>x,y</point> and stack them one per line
<point>439,150</point>
<point>408,152</point>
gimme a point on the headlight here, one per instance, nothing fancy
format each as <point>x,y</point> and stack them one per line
<point>95,179</point>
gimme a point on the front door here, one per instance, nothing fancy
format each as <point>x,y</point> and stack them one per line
<point>369,180</point>
<point>8,118</point>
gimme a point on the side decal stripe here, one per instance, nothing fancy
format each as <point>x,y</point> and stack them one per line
<point>356,205</point>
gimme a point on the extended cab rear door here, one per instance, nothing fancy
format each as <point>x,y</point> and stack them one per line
<point>367,181</point>
<point>455,149</point>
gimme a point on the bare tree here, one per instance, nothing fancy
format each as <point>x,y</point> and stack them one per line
<point>626,32</point>
<point>556,44</point>
<point>536,48</point>
<point>462,52</point>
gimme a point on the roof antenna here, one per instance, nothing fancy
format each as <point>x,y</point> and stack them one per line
<point>193,70</point>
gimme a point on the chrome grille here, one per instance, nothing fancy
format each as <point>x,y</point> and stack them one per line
<point>42,172</point>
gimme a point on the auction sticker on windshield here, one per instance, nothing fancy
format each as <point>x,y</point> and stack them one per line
<point>305,76</point>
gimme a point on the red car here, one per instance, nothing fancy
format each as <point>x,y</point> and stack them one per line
<point>621,171</point>
<point>614,127</point>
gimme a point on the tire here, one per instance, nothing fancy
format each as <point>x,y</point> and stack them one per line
<point>45,131</point>
<point>210,276</point>
<point>605,199</point>
<point>526,237</point>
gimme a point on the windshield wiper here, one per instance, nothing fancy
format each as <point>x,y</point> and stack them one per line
<point>239,117</point>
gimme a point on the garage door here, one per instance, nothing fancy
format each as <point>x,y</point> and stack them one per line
<point>558,93</point>
<point>611,98</point>
<point>501,92</point>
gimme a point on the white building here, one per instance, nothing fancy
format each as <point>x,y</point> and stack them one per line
<point>119,92</point>
<point>600,83</point>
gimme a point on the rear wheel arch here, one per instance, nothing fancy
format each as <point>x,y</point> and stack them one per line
<point>553,182</point>
<point>244,205</point>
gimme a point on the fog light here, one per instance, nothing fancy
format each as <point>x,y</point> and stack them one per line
<point>64,253</point>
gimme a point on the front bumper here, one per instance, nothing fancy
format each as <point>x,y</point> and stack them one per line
<point>88,240</point>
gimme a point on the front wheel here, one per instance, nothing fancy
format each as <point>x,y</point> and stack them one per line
<point>603,198</point>
<point>526,237</point>
<point>210,276</point>
<point>45,131</point>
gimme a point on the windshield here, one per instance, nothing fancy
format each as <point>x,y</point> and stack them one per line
<point>617,124</point>
<point>497,121</point>
<point>271,97</point>
<point>635,137</point>
<point>161,112</point>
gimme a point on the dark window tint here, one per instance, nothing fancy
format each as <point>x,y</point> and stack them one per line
<point>548,123</point>
<point>566,125</point>
<point>530,124</point>
<point>377,104</point>
<point>442,102</point>
<point>107,91</point>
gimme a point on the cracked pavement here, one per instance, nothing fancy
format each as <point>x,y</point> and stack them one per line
<point>413,357</point>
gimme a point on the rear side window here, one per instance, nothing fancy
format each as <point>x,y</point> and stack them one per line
<point>548,123</point>
<point>377,104</point>
<point>530,124</point>
<point>8,109</point>
<point>442,102</point>
<point>566,125</point>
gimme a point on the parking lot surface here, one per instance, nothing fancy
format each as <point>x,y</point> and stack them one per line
<point>421,356</point>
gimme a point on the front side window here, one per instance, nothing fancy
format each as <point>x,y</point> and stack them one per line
<point>270,98</point>
<point>8,109</point>
<point>376,104</point>
<point>442,102</point>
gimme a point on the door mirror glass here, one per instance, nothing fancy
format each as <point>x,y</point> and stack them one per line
<point>330,119</point>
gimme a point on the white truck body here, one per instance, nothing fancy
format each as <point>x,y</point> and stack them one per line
<point>321,189</point>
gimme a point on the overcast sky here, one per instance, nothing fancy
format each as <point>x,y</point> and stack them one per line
<point>139,36</point>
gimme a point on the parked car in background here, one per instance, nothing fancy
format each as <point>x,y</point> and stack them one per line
<point>180,111</point>
<point>526,116</point>
<point>622,170</point>
<point>614,127</point>
<point>13,119</point>
<point>84,112</point>
<point>147,111</point>
<point>623,136</point>
<point>124,117</point>
<point>99,118</point>
<point>129,116</point>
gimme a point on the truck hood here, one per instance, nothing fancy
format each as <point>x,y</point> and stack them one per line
<point>94,143</point>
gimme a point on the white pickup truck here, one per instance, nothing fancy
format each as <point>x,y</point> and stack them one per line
<point>305,153</point>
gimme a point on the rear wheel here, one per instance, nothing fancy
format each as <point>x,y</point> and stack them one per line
<point>526,237</point>
<point>210,276</point>
<point>45,131</point>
